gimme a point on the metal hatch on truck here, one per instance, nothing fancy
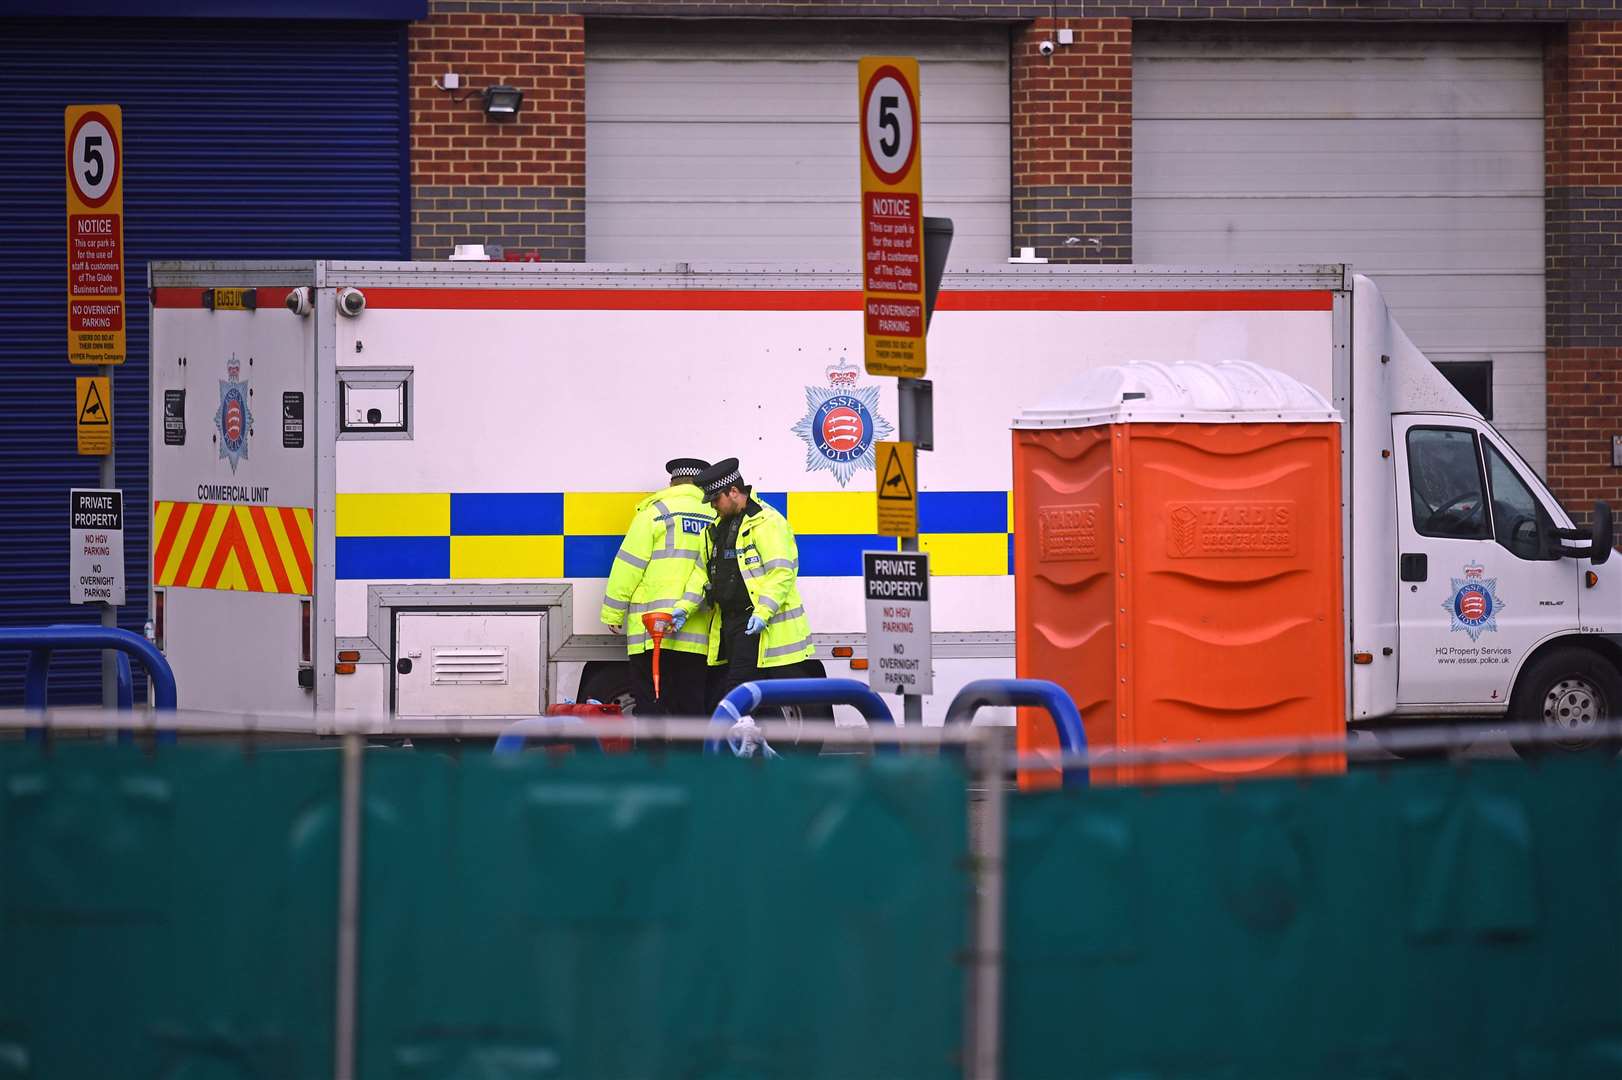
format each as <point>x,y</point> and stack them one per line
<point>473,663</point>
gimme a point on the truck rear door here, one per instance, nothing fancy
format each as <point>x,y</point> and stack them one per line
<point>233,485</point>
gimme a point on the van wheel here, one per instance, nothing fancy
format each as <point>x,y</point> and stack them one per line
<point>609,684</point>
<point>1573,693</point>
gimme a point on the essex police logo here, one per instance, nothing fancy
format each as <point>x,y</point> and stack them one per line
<point>234,420</point>
<point>1475,603</point>
<point>841,423</point>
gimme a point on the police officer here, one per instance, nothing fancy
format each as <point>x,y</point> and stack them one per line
<point>649,572</point>
<point>747,573</point>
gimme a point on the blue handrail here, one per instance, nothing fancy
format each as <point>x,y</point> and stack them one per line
<point>1040,692</point>
<point>771,693</point>
<point>41,641</point>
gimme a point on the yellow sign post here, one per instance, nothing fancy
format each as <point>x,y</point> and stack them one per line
<point>892,217</point>
<point>95,173</point>
<point>897,474</point>
<point>93,404</point>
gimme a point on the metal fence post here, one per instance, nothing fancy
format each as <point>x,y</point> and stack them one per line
<point>984,1030</point>
<point>343,1067</point>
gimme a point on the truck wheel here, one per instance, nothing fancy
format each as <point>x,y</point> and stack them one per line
<point>609,684</point>
<point>1571,691</point>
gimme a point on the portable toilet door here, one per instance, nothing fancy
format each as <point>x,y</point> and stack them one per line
<point>1177,561</point>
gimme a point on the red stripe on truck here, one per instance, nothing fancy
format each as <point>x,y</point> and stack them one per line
<point>810,300</point>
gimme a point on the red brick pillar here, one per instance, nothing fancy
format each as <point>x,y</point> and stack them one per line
<point>520,184</point>
<point>1072,134</point>
<point>1583,260</point>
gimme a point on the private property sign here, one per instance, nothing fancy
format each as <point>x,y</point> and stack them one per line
<point>96,552</point>
<point>95,172</point>
<point>899,654</point>
<point>892,217</point>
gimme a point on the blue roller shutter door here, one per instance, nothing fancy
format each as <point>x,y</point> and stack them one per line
<point>243,140</point>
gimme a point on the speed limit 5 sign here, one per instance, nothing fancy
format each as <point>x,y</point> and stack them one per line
<point>95,185</point>
<point>892,216</point>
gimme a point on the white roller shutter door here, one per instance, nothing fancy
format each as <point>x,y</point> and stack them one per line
<point>737,141</point>
<point>1416,157</point>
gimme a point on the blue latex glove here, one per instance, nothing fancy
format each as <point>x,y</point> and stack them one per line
<point>677,618</point>
<point>755,625</point>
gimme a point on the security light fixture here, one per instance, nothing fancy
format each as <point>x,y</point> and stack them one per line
<point>502,102</point>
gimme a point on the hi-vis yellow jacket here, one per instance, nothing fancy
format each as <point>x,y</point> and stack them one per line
<point>769,560</point>
<point>653,565</point>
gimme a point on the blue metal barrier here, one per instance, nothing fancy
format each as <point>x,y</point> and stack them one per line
<point>772,693</point>
<point>1039,692</point>
<point>41,641</point>
<point>515,735</point>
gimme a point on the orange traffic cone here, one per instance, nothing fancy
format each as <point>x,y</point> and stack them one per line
<point>656,623</point>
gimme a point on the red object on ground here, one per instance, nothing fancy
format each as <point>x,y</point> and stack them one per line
<point>589,711</point>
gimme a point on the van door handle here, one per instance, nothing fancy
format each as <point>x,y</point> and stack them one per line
<point>1415,567</point>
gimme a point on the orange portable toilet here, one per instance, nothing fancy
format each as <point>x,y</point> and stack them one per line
<point>1177,562</point>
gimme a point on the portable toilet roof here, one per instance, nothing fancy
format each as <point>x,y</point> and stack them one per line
<point>1237,392</point>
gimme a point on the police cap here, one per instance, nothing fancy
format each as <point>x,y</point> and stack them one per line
<point>685,468</point>
<point>718,477</point>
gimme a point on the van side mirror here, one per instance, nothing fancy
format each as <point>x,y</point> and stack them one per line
<point>1600,547</point>
<point>1599,537</point>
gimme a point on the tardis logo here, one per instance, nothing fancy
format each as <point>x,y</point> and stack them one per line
<point>841,423</point>
<point>1475,603</point>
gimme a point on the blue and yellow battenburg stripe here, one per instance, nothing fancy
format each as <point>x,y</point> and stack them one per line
<point>552,534</point>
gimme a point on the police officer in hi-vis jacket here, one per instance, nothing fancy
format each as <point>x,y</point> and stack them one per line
<point>650,572</point>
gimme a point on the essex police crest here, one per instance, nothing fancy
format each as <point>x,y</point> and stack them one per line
<point>234,419</point>
<point>1475,603</point>
<point>841,423</point>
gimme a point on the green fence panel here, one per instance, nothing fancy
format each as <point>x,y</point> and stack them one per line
<point>166,914</point>
<point>1421,921</point>
<point>677,916</point>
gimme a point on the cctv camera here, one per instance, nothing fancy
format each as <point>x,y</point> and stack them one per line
<point>1046,48</point>
<point>298,301</point>
<point>351,301</point>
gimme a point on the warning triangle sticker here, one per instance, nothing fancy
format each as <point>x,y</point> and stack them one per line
<point>92,412</point>
<point>895,484</point>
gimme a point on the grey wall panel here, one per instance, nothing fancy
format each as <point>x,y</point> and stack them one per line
<point>1414,154</point>
<point>1411,234</point>
<point>1406,73</point>
<point>716,145</point>
<point>1322,155</point>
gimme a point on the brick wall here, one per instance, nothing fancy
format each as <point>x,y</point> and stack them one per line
<point>1381,10</point>
<point>1583,259</point>
<point>520,184</point>
<point>1072,141</point>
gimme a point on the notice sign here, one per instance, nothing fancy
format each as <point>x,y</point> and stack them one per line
<point>892,217</point>
<point>897,475</point>
<point>293,420</point>
<point>896,584</point>
<point>95,174</point>
<point>174,418</point>
<point>93,402</point>
<point>96,554</point>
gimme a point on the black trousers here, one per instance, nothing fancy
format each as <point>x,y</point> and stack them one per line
<point>682,684</point>
<point>741,654</point>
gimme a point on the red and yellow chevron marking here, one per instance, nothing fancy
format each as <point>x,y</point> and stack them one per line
<point>241,548</point>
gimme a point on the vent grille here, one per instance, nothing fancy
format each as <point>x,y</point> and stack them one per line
<point>470,666</point>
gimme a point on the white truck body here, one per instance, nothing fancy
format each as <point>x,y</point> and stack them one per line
<point>517,411</point>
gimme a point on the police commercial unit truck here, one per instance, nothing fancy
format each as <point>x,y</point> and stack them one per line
<point>398,487</point>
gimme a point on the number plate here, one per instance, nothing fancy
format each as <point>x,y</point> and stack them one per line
<point>231,299</point>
